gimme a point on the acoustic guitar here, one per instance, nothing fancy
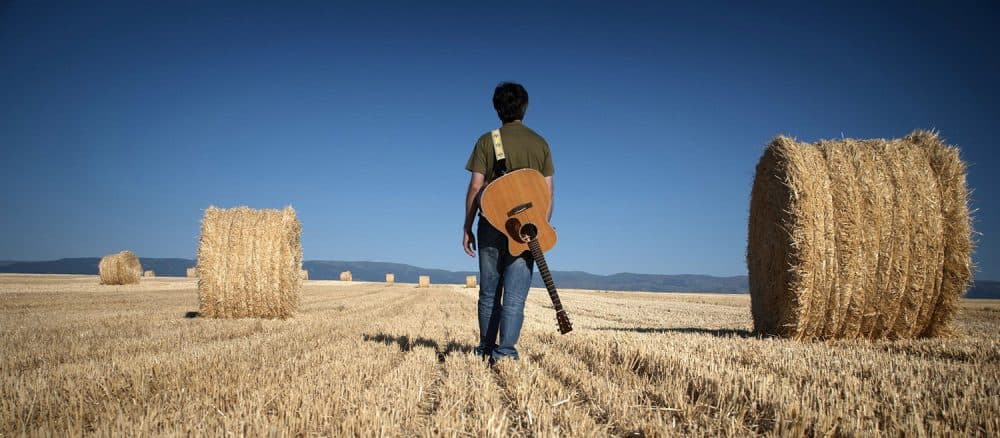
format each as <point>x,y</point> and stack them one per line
<point>518,205</point>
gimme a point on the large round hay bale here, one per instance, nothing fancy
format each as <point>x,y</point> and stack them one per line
<point>121,268</point>
<point>345,276</point>
<point>191,272</point>
<point>149,274</point>
<point>304,274</point>
<point>248,263</point>
<point>424,281</point>
<point>858,238</point>
<point>390,278</point>
<point>470,281</point>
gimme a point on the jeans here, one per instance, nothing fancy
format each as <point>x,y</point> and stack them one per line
<point>504,281</point>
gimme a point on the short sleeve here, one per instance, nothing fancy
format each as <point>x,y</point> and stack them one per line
<point>548,169</point>
<point>477,160</point>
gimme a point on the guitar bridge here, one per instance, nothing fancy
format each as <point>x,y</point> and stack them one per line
<point>519,209</point>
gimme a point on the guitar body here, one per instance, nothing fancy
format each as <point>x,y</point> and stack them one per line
<point>518,204</point>
<point>514,201</point>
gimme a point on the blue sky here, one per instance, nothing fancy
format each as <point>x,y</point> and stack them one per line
<point>121,122</point>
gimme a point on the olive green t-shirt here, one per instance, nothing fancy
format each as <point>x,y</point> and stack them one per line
<point>524,149</point>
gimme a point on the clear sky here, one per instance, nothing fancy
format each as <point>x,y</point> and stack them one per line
<point>121,122</point>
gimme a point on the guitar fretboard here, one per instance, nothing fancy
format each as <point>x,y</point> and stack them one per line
<point>536,252</point>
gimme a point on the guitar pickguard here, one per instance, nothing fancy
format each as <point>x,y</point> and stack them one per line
<point>513,227</point>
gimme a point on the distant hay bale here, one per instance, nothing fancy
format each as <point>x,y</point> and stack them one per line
<point>304,274</point>
<point>121,268</point>
<point>390,278</point>
<point>149,274</point>
<point>425,281</point>
<point>470,281</point>
<point>345,276</point>
<point>249,263</point>
<point>858,238</point>
<point>192,272</point>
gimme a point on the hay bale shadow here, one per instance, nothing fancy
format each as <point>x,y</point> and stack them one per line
<point>720,333</point>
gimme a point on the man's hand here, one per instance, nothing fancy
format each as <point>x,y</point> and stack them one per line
<point>469,243</point>
<point>476,181</point>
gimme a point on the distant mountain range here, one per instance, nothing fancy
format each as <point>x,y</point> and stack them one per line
<point>375,271</point>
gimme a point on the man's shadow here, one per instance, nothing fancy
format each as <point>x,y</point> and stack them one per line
<point>406,344</point>
<point>720,333</point>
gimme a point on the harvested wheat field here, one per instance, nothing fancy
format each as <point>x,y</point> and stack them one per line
<point>368,359</point>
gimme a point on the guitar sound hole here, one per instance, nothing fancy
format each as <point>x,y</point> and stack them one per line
<point>529,231</point>
<point>514,229</point>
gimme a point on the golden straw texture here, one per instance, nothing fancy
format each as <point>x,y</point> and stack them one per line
<point>149,274</point>
<point>858,238</point>
<point>345,276</point>
<point>390,278</point>
<point>470,281</point>
<point>192,272</point>
<point>249,263</point>
<point>121,268</point>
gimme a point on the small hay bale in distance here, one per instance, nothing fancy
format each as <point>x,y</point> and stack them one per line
<point>249,263</point>
<point>470,281</point>
<point>345,276</point>
<point>853,239</point>
<point>121,268</point>
<point>424,281</point>
<point>304,274</point>
<point>149,274</point>
<point>192,272</point>
<point>390,278</point>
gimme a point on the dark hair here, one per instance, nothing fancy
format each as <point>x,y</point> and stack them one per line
<point>511,101</point>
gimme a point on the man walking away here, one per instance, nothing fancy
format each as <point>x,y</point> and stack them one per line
<point>504,279</point>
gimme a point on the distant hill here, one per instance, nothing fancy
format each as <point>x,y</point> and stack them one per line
<point>88,266</point>
<point>984,289</point>
<point>375,271</point>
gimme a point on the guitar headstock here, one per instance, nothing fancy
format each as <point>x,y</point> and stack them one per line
<point>564,325</point>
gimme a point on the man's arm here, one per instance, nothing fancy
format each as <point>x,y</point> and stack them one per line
<point>471,208</point>
<point>552,196</point>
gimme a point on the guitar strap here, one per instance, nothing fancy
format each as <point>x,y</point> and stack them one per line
<point>500,168</point>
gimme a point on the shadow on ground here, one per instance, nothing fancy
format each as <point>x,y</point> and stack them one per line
<point>406,344</point>
<point>722,333</point>
<point>192,315</point>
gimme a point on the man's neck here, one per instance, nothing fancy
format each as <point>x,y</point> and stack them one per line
<point>515,122</point>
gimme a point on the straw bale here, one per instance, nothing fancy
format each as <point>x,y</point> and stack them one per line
<point>304,274</point>
<point>390,278</point>
<point>346,276</point>
<point>957,245</point>
<point>249,263</point>
<point>424,281</point>
<point>149,274</point>
<point>858,238</point>
<point>121,268</point>
<point>470,281</point>
<point>192,272</point>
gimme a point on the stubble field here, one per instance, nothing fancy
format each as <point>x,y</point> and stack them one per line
<point>370,359</point>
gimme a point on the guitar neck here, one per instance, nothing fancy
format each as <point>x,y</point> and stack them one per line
<point>536,252</point>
